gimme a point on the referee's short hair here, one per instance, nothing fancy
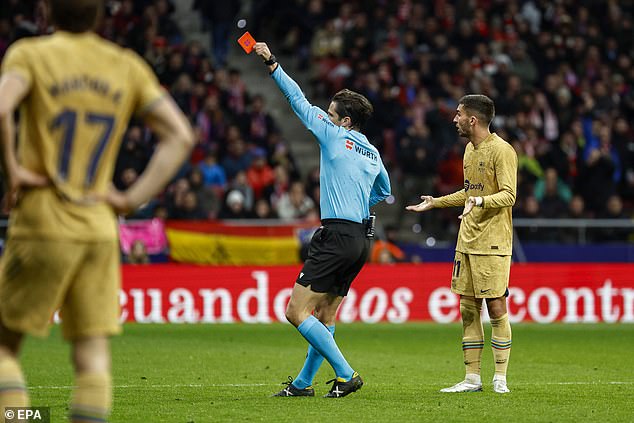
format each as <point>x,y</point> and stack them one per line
<point>479,106</point>
<point>354,105</point>
<point>76,15</point>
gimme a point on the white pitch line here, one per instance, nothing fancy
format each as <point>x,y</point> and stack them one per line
<point>189,385</point>
<point>229,385</point>
<point>577,383</point>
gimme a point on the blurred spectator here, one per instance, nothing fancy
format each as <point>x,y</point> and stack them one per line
<point>565,157</point>
<point>138,253</point>
<point>279,187</point>
<point>188,208</point>
<point>208,201</point>
<point>295,204</point>
<point>279,154</point>
<point>450,171</point>
<point>260,175</point>
<point>601,169</point>
<point>263,210</point>
<point>237,158</point>
<point>552,194</point>
<point>182,92</point>
<point>212,121</point>
<point>175,196</point>
<point>133,155</point>
<point>213,174</point>
<point>386,250</point>
<point>219,15</point>
<point>241,183</point>
<point>529,209</point>
<point>577,208</point>
<point>166,25</point>
<point>258,123</point>
<point>613,210</point>
<point>234,206</point>
<point>236,93</point>
<point>175,68</point>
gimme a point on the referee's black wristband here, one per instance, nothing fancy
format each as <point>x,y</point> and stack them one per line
<point>272,60</point>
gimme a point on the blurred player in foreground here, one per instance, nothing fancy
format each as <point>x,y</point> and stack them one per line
<point>483,252</point>
<point>352,179</point>
<point>76,93</point>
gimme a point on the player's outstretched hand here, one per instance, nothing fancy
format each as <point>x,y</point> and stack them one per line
<point>426,204</point>
<point>262,50</point>
<point>21,178</point>
<point>468,206</point>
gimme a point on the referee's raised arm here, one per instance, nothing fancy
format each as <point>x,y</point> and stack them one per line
<point>314,119</point>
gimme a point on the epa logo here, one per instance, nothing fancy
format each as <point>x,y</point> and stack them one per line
<point>31,414</point>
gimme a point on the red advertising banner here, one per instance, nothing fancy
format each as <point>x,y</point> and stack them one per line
<point>544,293</point>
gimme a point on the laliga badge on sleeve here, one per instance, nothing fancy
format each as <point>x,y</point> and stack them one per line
<point>247,42</point>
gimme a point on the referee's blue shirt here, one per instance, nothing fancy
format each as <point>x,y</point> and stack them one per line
<point>352,176</point>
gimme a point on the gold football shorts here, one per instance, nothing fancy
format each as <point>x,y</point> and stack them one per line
<point>480,276</point>
<point>81,279</point>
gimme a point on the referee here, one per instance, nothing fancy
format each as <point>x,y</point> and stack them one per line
<point>352,179</point>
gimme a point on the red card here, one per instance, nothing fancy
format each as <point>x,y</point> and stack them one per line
<point>247,42</point>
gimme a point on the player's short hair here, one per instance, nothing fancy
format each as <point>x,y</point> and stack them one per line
<point>479,106</point>
<point>354,105</point>
<point>76,15</point>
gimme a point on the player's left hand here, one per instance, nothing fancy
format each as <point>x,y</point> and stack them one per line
<point>468,206</point>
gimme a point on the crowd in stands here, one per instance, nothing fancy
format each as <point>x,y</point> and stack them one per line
<point>241,167</point>
<point>561,74</point>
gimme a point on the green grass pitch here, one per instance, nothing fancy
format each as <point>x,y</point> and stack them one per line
<point>226,373</point>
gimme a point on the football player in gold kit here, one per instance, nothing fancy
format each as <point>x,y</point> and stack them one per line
<point>483,251</point>
<point>76,93</point>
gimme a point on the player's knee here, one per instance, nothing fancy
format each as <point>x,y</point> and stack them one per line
<point>293,315</point>
<point>91,355</point>
<point>496,307</point>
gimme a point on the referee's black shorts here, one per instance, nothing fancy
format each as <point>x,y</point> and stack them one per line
<point>337,252</point>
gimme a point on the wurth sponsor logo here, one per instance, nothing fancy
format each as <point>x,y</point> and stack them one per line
<point>351,145</point>
<point>469,186</point>
<point>320,116</point>
<point>365,152</point>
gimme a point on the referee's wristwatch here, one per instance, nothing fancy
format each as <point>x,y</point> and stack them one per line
<point>271,60</point>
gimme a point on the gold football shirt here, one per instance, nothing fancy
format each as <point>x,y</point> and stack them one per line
<point>83,91</point>
<point>490,172</point>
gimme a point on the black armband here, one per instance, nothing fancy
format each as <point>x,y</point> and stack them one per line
<point>272,60</point>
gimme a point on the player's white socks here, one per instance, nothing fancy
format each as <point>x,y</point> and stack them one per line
<point>471,383</point>
<point>499,384</point>
<point>473,379</point>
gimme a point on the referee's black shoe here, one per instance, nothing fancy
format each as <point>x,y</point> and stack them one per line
<point>342,388</point>
<point>292,391</point>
